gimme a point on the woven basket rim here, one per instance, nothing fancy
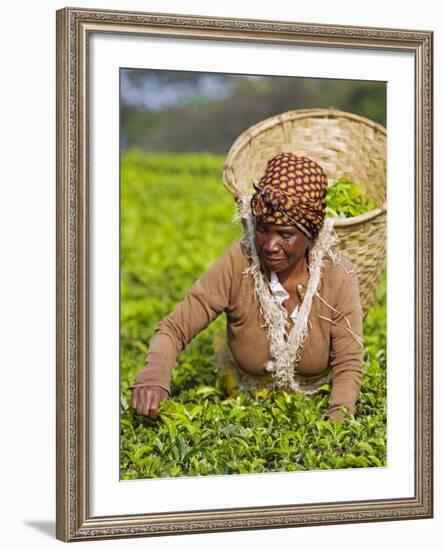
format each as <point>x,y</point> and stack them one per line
<point>269,122</point>
<point>365,217</point>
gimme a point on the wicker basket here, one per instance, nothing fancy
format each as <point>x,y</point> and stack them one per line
<point>345,145</point>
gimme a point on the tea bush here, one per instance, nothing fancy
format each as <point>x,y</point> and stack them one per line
<point>175,221</point>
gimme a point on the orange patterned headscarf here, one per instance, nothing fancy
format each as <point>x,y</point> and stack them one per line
<point>291,191</point>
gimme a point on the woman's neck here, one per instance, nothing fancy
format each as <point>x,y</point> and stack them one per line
<point>294,274</point>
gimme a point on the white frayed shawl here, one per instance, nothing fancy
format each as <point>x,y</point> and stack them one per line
<point>286,353</point>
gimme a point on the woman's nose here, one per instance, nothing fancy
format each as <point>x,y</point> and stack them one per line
<point>270,244</point>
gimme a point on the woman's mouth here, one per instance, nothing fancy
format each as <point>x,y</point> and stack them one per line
<point>272,259</point>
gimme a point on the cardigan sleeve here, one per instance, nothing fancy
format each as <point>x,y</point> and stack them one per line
<point>207,298</point>
<point>346,351</point>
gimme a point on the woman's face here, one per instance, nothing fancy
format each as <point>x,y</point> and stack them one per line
<point>281,247</point>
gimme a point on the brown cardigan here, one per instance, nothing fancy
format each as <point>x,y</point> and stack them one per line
<point>225,287</point>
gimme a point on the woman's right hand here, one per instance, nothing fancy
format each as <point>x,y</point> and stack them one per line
<point>146,400</point>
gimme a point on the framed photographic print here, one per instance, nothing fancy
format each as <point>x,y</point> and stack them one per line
<point>169,128</point>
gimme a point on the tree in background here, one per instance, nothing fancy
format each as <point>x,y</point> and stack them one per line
<point>180,111</point>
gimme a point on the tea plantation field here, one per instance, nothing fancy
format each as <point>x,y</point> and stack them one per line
<point>176,219</point>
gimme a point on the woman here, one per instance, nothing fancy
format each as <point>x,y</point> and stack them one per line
<point>294,317</point>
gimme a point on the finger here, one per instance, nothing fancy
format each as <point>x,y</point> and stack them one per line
<point>141,398</point>
<point>154,407</point>
<point>134,399</point>
<point>148,396</point>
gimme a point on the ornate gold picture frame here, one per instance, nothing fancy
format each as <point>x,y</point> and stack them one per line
<point>76,519</point>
